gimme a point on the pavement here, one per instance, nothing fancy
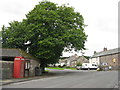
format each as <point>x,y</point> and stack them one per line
<point>44,75</point>
<point>15,80</point>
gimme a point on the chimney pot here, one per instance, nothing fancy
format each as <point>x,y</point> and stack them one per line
<point>95,52</point>
<point>105,49</point>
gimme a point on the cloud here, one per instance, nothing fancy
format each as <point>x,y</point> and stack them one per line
<point>15,10</point>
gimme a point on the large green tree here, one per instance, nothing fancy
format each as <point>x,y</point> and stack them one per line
<point>50,28</point>
<point>14,36</point>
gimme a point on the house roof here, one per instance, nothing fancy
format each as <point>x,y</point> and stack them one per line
<point>73,58</point>
<point>108,52</point>
<point>76,58</point>
<point>83,59</point>
<point>7,52</point>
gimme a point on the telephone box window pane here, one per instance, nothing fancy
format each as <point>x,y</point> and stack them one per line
<point>17,58</point>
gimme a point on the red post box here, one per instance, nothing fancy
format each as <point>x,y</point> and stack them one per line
<point>18,67</point>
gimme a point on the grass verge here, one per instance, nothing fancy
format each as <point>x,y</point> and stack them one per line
<point>57,68</point>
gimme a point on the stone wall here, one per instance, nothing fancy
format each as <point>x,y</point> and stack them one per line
<point>34,63</point>
<point>7,69</point>
<point>110,60</point>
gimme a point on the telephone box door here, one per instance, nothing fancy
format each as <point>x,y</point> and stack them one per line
<point>18,67</point>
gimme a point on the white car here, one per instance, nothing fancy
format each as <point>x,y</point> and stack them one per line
<point>86,66</point>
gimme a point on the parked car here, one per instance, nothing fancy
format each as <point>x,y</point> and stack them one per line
<point>89,66</point>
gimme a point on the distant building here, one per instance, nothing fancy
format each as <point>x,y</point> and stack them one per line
<point>73,60</point>
<point>106,57</point>
<point>82,59</point>
<point>62,62</point>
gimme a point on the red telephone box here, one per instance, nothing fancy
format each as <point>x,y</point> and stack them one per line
<point>18,67</point>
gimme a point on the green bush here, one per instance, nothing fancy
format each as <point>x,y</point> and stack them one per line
<point>78,64</point>
<point>67,67</point>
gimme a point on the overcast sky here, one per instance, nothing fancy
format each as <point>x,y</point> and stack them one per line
<point>101,16</point>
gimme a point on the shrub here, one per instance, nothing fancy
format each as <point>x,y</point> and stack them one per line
<point>78,64</point>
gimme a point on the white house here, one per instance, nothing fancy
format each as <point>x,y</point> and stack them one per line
<point>95,60</point>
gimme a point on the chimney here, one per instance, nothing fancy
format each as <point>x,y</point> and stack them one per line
<point>95,52</point>
<point>104,49</point>
<point>75,55</point>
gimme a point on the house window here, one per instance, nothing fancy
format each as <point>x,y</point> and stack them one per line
<point>114,60</point>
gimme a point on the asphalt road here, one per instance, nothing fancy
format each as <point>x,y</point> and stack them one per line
<point>72,79</point>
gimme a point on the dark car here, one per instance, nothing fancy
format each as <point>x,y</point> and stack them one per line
<point>78,67</point>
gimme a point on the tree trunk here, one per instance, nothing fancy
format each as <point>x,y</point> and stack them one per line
<point>42,66</point>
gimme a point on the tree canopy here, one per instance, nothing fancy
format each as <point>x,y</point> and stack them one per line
<point>14,35</point>
<point>50,28</point>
